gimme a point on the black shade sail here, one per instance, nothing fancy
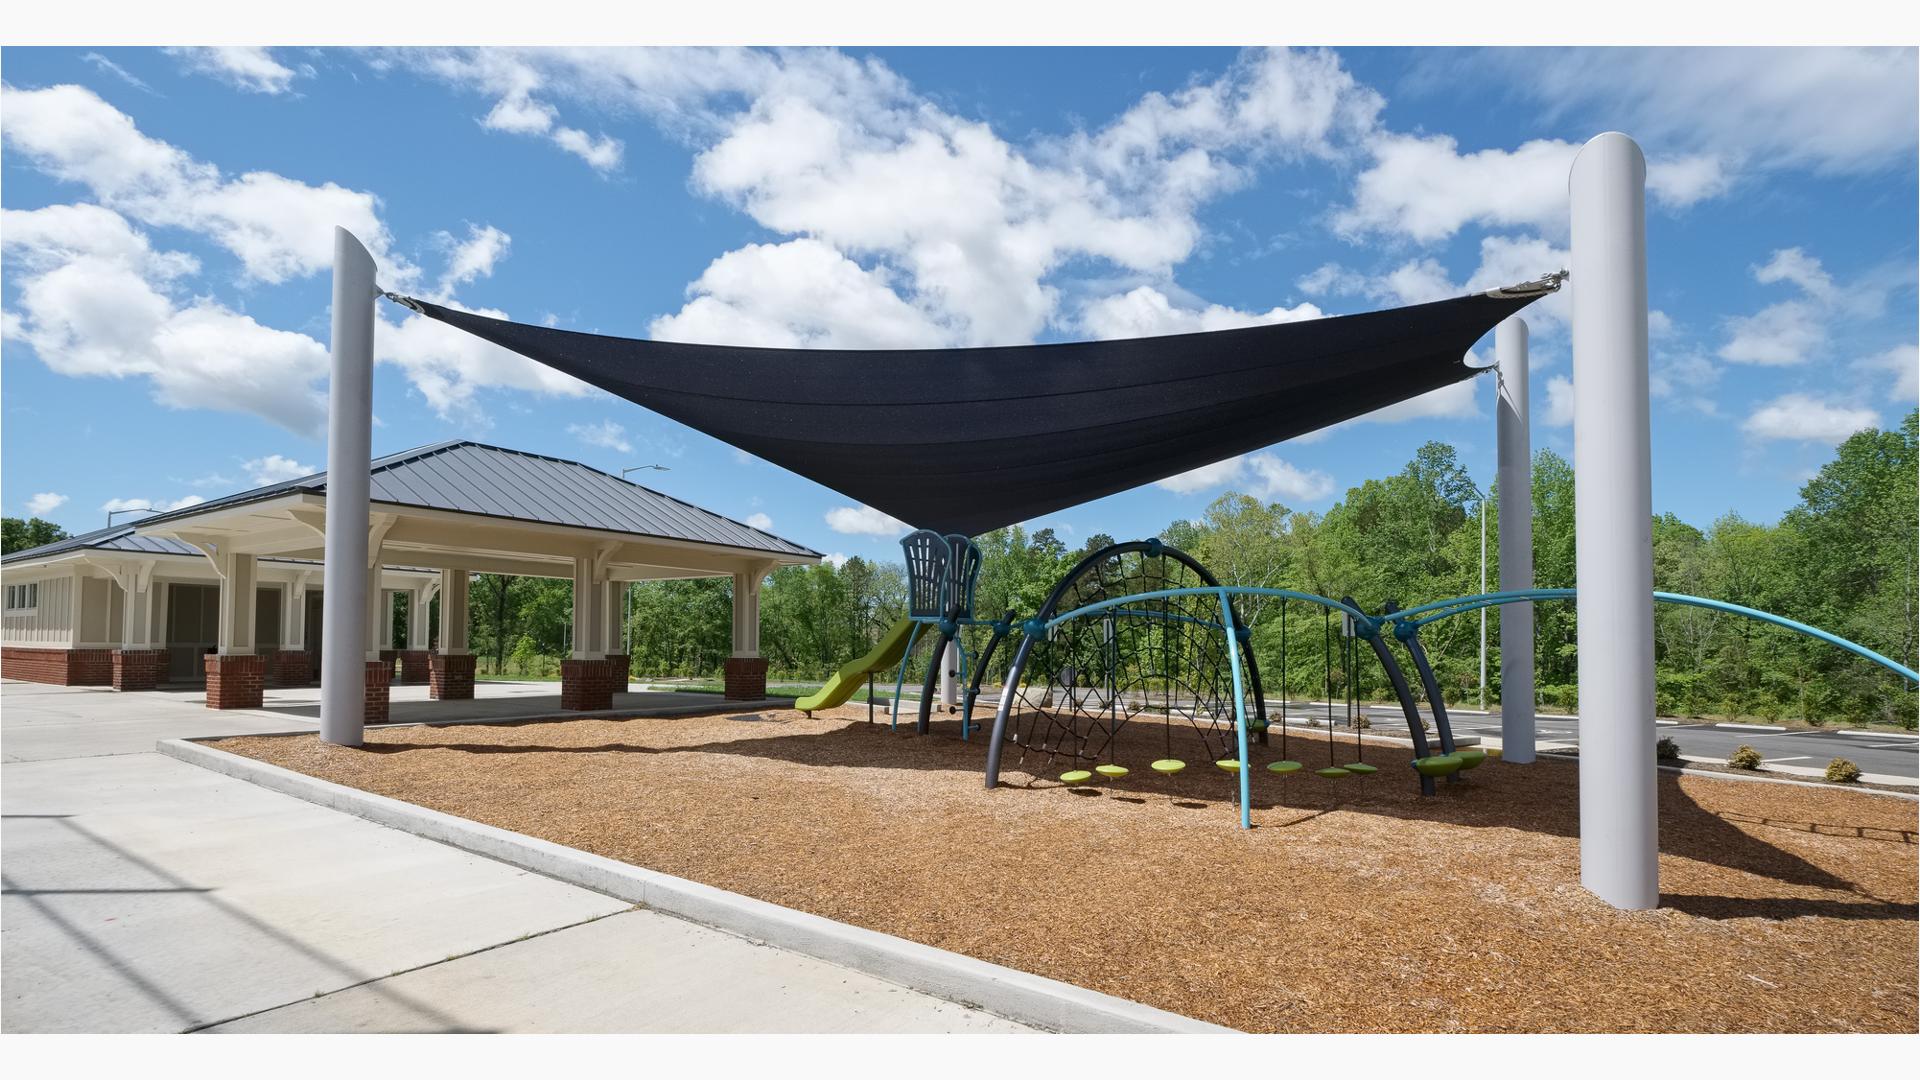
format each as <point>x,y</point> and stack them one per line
<point>969,440</point>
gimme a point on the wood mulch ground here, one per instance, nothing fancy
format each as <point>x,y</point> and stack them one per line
<point>1354,905</point>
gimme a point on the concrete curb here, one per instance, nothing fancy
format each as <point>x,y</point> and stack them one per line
<point>1016,995</point>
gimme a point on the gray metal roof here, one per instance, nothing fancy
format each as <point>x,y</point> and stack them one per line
<point>474,478</point>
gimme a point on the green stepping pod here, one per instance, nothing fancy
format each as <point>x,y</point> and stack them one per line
<point>1169,766</point>
<point>1283,767</point>
<point>1111,772</point>
<point>1437,765</point>
<point>1360,768</point>
<point>1332,772</point>
<point>1229,764</point>
<point>1077,776</point>
<point>1470,758</point>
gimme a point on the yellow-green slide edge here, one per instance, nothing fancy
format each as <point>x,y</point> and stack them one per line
<point>848,679</point>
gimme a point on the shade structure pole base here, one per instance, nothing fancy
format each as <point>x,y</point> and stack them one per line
<point>343,701</point>
<point>1613,524</point>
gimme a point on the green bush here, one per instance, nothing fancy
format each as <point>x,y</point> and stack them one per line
<point>1745,757</point>
<point>1842,771</point>
<point>1666,749</point>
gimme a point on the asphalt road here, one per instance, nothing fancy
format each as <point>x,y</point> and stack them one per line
<point>1891,755</point>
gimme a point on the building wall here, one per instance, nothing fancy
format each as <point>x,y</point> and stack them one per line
<point>49,626</point>
<point>96,612</point>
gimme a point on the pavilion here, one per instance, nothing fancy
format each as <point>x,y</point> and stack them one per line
<point>229,590</point>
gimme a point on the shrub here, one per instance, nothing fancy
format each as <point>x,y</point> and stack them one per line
<point>1666,749</point>
<point>1842,771</point>
<point>1746,757</point>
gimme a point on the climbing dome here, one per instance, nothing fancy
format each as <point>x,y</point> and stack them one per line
<point>1077,681</point>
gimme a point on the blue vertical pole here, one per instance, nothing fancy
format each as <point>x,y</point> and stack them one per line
<point>1239,709</point>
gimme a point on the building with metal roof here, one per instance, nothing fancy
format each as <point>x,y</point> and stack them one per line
<point>170,598</point>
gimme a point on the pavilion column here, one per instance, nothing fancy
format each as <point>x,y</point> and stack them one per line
<point>343,689</point>
<point>236,676</point>
<point>414,658</point>
<point>293,665</point>
<point>587,677</point>
<point>376,694</point>
<point>450,671</point>
<point>1516,543</point>
<point>137,663</point>
<point>746,669</point>
<point>1613,524</point>
<point>611,634</point>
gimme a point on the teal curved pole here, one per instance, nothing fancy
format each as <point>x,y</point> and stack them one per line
<point>1426,613</point>
<point>1239,710</point>
<point>899,683</point>
<point>1211,590</point>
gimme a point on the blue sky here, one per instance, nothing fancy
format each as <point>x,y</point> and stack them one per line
<point>167,219</point>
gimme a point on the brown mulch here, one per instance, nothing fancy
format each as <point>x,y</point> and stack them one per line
<point>1354,905</point>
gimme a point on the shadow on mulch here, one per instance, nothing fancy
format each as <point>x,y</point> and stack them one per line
<point>1487,798</point>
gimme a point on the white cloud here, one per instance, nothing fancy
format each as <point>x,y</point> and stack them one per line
<point>1903,363</point>
<point>1422,187</point>
<point>473,257</point>
<point>117,71</point>
<point>1807,419</point>
<point>605,433</point>
<point>835,559</point>
<point>1787,332</point>
<point>1218,474</point>
<point>1830,110</point>
<point>1262,475</point>
<point>248,67</point>
<point>1685,378</point>
<point>94,299</point>
<point>798,294</point>
<point>760,521</point>
<point>1455,401</point>
<point>1146,312</point>
<point>449,367</point>
<point>44,502</point>
<point>275,468</point>
<point>278,228</point>
<point>1795,265</point>
<point>1559,401</point>
<point>864,521</point>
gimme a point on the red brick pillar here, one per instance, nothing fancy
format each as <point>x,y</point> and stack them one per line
<point>587,685</point>
<point>414,666</point>
<point>379,678</point>
<point>618,672</point>
<point>291,667</point>
<point>746,678</point>
<point>235,682</point>
<point>450,678</point>
<point>138,669</point>
<point>391,658</point>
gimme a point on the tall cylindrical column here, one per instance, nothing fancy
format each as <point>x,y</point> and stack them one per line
<point>343,701</point>
<point>1613,523</point>
<point>1516,542</point>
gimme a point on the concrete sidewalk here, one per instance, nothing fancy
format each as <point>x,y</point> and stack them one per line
<point>143,894</point>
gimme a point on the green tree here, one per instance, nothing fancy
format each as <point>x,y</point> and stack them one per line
<point>19,534</point>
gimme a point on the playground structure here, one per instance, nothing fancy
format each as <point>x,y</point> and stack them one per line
<point>1101,417</point>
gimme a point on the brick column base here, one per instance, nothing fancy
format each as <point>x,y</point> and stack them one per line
<point>619,666</point>
<point>291,667</point>
<point>414,666</point>
<point>138,669</point>
<point>746,678</point>
<point>379,678</point>
<point>450,678</point>
<point>235,682</point>
<point>391,658</point>
<point>589,685</point>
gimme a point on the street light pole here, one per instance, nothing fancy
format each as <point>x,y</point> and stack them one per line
<point>1483,611</point>
<point>129,510</point>
<point>626,594</point>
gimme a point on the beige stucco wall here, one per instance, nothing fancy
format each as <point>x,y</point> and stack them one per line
<point>49,624</point>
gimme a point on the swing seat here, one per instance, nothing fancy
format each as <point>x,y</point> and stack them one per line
<point>1111,772</point>
<point>1077,776</point>
<point>1438,765</point>
<point>1332,772</point>
<point>1231,765</point>
<point>1470,758</point>
<point>1168,766</point>
<point>1283,767</point>
<point>1360,768</point>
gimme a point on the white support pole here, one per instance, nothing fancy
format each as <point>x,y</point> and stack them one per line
<point>388,599</point>
<point>949,675</point>
<point>293,614</point>
<point>1516,543</point>
<point>1613,524</point>
<point>746,613</point>
<point>136,611</point>
<point>417,617</point>
<point>453,612</point>
<point>343,682</point>
<point>585,591</point>
<point>235,635</point>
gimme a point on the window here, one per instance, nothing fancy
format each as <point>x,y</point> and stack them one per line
<point>22,599</point>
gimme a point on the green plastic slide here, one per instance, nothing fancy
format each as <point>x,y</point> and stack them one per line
<point>848,679</point>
